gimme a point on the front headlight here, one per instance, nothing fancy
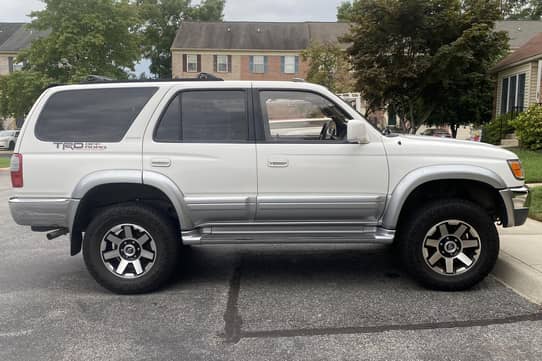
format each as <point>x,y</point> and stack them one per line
<point>517,169</point>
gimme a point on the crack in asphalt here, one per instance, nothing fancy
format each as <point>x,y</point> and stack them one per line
<point>233,321</point>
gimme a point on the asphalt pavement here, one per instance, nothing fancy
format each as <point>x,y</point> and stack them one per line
<point>251,303</point>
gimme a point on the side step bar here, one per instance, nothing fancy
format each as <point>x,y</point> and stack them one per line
<point>379,235</point>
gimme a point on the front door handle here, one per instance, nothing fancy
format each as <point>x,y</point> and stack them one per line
<point>161,162</point>
<point>277,163</point>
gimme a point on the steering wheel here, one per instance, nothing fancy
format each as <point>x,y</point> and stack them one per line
<point>329,131</point>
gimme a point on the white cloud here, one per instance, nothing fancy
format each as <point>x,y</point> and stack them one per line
<point>281,10</point>
<point>17,10</point>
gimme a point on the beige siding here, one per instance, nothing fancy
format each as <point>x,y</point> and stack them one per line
<point>532,85</point>
<point>4,65</point>
<point>525,68</point>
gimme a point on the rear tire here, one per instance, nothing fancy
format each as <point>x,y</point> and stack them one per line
<point>131,248</point>
<point>449,245</point>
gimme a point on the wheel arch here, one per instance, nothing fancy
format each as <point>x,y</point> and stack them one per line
<point>464,180</point>
<point>110,187</point>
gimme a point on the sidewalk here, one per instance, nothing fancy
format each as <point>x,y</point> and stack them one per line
<point>520,261</point>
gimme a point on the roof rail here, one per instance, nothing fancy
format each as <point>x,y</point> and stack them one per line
<point>93,79</point>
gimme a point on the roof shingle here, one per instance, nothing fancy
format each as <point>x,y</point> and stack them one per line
<point>7,29</point>
<point>531,49</point>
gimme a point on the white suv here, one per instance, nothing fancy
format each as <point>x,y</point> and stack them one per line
<point>8,138</point>
<point>133,171</point>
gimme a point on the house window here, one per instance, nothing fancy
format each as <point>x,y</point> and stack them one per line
<point>258,64</point>
<point>513,93</point>
<point>222,64</point>
<point>191,63</point>
<point>290,64</point>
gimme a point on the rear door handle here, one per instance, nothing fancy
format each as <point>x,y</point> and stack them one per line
<point>161,162</point>
<point>277,163</point>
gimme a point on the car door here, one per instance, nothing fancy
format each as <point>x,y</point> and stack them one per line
<point>202,140</point>
<point>302,177</point>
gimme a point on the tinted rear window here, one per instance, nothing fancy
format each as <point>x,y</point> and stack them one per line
<point>91,115</point>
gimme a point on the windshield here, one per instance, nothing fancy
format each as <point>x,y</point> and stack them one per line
<point>373,124</point>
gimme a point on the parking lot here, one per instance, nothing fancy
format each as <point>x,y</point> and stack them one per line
<point>251,303</point>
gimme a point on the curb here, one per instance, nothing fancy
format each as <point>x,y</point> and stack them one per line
<point>519,276</point>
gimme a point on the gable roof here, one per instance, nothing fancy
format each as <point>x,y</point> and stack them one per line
<point>255,35</point>
<point>519,31</point>
<point>7,29</point>
<point>532,49</point>
<point>21,39</point>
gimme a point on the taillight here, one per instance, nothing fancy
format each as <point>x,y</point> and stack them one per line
<point>16,168</point>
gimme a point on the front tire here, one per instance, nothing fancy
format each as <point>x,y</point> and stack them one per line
<point>131,248</point>
<point>11,146</point>
<point>449,245</point>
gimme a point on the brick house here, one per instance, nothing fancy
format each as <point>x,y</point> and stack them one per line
<point>248,50</point>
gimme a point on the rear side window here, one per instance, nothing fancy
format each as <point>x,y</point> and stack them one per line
<point>91,115</point>
<point>205,116</point>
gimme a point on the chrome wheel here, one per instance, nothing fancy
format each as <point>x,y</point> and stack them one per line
<point>128,251</point>
<point>451,247</point>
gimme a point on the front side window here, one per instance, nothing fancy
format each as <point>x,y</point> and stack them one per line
<point>301,116</point>
<point>91,115</point>
<point>205,116</point>
<point>192,63</point>
<point>222,65</point>
<point>258,64</point>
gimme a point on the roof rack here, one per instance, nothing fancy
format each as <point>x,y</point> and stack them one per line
<point>93,79</point>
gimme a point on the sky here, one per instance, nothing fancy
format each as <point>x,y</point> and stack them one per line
<point>236,10</point>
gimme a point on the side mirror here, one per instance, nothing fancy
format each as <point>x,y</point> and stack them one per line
<point>356,132</point>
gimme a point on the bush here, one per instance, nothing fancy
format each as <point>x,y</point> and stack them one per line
<point>529,128</point>
<point>492,133</point>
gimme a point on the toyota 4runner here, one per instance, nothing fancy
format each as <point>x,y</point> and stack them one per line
<point>135,170</point>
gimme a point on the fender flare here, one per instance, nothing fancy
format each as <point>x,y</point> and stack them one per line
<point>134,176</point>
<point>419,176</point>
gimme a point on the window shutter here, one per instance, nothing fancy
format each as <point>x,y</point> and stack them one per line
<point>184,63</point>
<point>521,92</point>
<point>282,64</point>
<point>229,63</point>
<point>504,95</point>
<point>265,64</point>
<point>10,64</point>
<point>199,63</point>
<point>251,64</point>
<point>296,70</point>
<point>215,63</point>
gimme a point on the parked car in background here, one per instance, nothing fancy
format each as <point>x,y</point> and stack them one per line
<point>437,132</point>
<point>8,138</point>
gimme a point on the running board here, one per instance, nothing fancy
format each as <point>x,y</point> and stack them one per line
<point>379,235</point>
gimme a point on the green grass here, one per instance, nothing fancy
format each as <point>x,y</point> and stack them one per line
<point>4,162</point>
<point>532,162</point>
<point>535,203</point>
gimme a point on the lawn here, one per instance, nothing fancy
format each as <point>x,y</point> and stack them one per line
<point>532,162</point>
<point>4,162</point>
<point>535,203</point>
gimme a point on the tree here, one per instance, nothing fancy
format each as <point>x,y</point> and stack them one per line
<point>344,11</point>
<point>86,37</point>
<point>162,19</point>
<point>521,9</point>
<point>427,58</point>
<point>328,66</point>
<point>19,90</point>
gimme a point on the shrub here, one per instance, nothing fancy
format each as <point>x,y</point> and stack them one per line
<point>492,133</point>
<point>529,128</point>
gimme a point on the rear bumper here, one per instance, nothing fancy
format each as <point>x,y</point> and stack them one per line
<point>515,200</point>
<point>43,212</point>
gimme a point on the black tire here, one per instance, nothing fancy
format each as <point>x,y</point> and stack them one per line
<point>162,231</point>
<point>412,239</point>
<point>11,145</point>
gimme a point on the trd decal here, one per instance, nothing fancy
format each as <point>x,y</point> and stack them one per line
<point>79,146</point>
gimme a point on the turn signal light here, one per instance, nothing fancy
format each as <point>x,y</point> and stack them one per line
<point>16,168</point>
<point>517,169</point>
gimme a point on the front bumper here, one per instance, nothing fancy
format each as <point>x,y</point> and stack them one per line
<point>43,212</point>
<point>515,200</point>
